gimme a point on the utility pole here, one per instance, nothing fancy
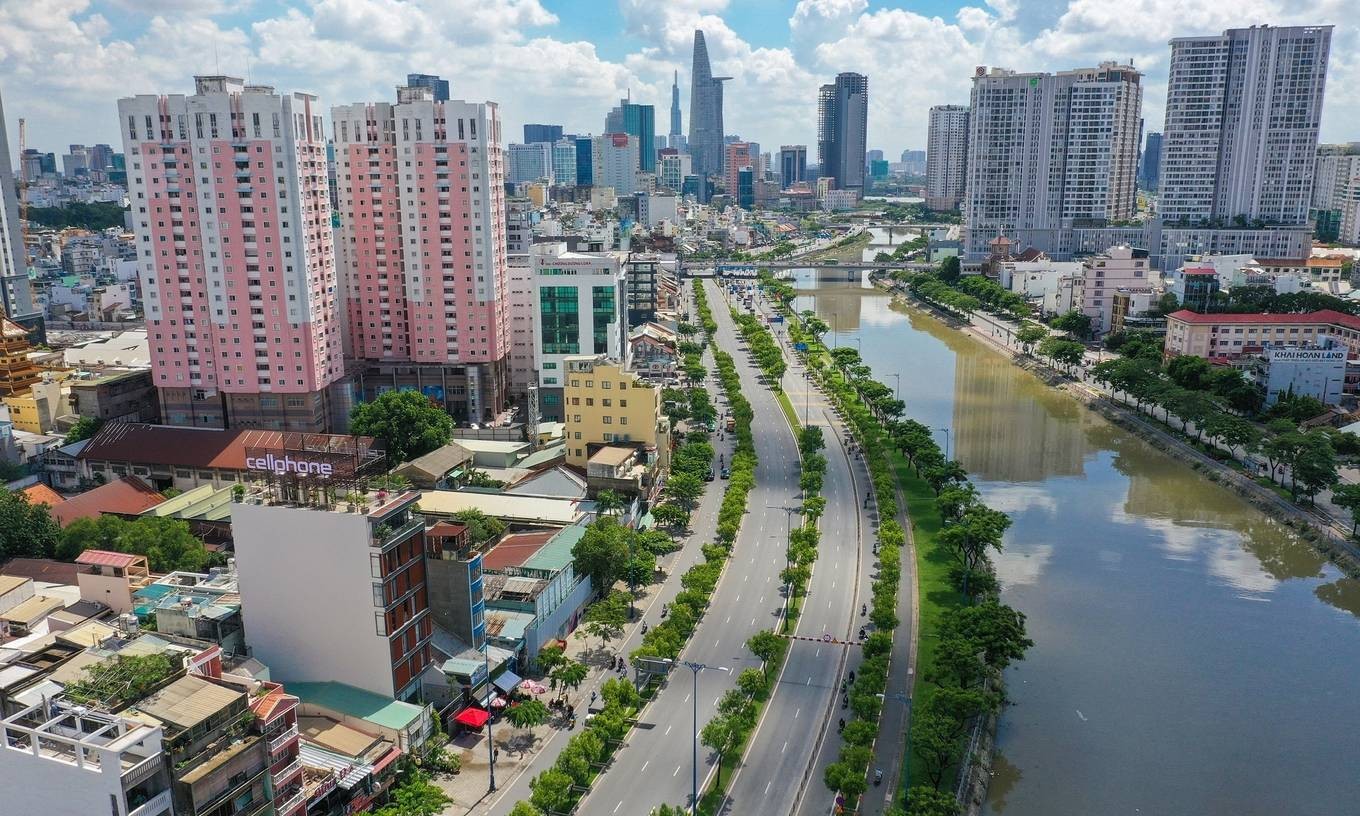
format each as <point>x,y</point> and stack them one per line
<point>696,667</point>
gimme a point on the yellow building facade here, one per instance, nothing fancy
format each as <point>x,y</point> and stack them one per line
<point>605,405</point>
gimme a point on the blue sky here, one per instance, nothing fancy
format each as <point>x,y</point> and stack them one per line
<point>568,61</point>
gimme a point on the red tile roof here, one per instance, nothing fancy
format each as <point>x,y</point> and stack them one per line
<point>515,549</point>
<point>41,569</point>
<point>126,496</point>
<point>1324,316</point>
<point>42,494</point>
<point>106,558</point>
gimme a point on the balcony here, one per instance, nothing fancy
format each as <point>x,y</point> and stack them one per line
<point>286,807</point>
<point>280,741</point>
<point>155,806</point>
<point>292,769</point>
<point>142,771</point>
<point>384,535</point>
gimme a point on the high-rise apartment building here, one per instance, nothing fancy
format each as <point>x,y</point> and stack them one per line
<point>231,208</point>
<point>792,165</point>
<point>580,307</point>
<point>705,112</point>
<point>914,161</point>
<point>1241,134</point>
<point>16,294</point>
<point>614,162</point>
<point>528,162</point>
<point>1152,162</point>
<point>842,128</point>
<point>1049,152</point>
<point>736,157</point>
<point>438,87</point>
<point>1336,192</point>
<point>946,156</point>
<point>542,133</point>
<point>423,248</point>
<point>564,163</point>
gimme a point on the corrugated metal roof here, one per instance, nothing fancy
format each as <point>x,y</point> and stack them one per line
<point>107,558</point>
<point>187,702</point>
<point>349,771</point>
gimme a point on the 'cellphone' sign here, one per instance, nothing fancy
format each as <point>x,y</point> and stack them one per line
<point>283,465</point>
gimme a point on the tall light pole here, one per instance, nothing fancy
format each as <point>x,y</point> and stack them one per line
<point>897,394</point>
<point>835,330</point>
<point>696,667</point>
<point>946,442</point>
<point>898,696</point>
<point>490,741</point>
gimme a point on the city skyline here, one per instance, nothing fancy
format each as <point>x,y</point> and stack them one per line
<point>63,72</point>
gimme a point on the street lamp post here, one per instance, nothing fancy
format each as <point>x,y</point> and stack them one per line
<point>835,330</point>
<point>898,696</point>
<point>897,394</point>
<point>946,442</point>
<point>696,667</point>
<point>490,741</point>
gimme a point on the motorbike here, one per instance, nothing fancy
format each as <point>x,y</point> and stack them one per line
<point>863,610</point>
<point>841,726</point>
<point>644,627</point>
<point>878,776</point>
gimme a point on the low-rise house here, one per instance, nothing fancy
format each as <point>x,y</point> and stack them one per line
<point>111,578</point>
<point>126,496</point>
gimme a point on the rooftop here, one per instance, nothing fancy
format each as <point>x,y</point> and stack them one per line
<point>105,558</point>
<point>42,494</point>
<point>43,569</point>
<point>191,447</point>
<point>127,495</point>
<point>1324,316</point>
<point>355,702</point>
<point>514,549</point>
<point>186,702</point>
<point>527,509</point>
<point>556,554</point>
<point>612,456</point>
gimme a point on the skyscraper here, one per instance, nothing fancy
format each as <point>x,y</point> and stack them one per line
<point>842,127</point>
<point>534,134</point>
<point>1049,152</point>
<point>946,156</point>
<point>1152,162</point>
<point>1241,134</point>
<point>585,161</point>
<point>1336,192</point>
<point>528,162</point>
<point>638,121</point>
<point>737,158</point>
<point>705,112</point>
<point>792,165</point>
<point>237,264</point>
<point>439,87</point>
<point>675,107</point>
<point>16,295</point>
<point>564,162</point>
<point>427,309</point>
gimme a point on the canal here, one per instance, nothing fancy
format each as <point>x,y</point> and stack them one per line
<point>1191,655</point>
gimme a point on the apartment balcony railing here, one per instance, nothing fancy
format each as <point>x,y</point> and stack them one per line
<point>155,806</point>
<point>293,768</point>
<point>142,771</point>
<point>278,742</point>
<point>291,804</point>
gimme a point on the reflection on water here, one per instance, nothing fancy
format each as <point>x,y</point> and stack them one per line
<point>1183,662</point>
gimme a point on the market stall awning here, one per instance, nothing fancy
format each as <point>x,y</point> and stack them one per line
<point>507,682</point>
<point>472,717</point>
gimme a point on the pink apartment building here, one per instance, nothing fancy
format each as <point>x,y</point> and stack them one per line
<point>422,248</point>
<point>233,221</point>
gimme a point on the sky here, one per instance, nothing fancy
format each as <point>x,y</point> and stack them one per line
<point>64,63</point>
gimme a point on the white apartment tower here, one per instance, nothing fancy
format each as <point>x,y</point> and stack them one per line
<point>1336,188</point>
<point>1050,152</point>
<point>231,207</point>
<point>1241,134</point>
<point>423,248</point>
<point>579,307</point>
<point>946,156</point>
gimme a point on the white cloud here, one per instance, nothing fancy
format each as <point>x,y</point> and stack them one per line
<point>65,68</point>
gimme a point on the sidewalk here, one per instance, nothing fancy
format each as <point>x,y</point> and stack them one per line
<point>522,755</point>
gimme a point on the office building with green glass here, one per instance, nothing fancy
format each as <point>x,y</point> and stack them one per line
<point>579,307</point>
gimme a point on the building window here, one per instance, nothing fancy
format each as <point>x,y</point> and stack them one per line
<point>602,311</point>
<point>559,320</point>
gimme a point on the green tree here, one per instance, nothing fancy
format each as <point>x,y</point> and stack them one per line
<point>26,530</point>
<point>610,503</point>
<point>924,801</point>
<point>935,743</point>
<point>550,791</point>
<point>996,629</point>
<point>1189,371</point>
<point>949,270</point>
<point>1347,497</point>
<point>570,674</point>
<point>602,553</point>
<point>767,646</point>
<point>1314,465</point>
<point>606,617</point>
<point>481,527</point>
<point>1075,323</point>
<point>1030,335</point>
<point>843,779</point>
<point>167,543</point>
<point>525,809</point>
<point>670,515</point>
<point>415,796</point>
<point>753,683</point>
<point>722,734</point>
<point>407,422</point>
<point>84,428</point>
<point>527,714</point>
<point>685,489</point>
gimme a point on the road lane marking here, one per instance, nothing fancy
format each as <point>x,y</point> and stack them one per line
<point>796,712</point>
<point>716,642</point>
<point>676,771</point>
<point>686,700</point>
<point>644,766</point>
<point>668,729</point>
<point>619,805</point>
<point>729,619</point>
<point>781,750</point>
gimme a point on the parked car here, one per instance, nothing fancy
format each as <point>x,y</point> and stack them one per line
<point>708,477</point>
<point>726,473</point>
